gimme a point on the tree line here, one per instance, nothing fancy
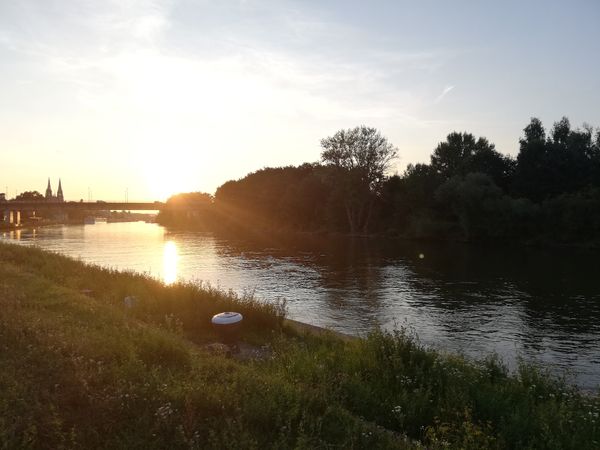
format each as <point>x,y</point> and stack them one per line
<point>549,192</point>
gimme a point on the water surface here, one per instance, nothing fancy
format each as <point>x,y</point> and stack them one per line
<point>541,306</point>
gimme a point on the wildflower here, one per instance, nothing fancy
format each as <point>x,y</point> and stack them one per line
<point>163,412</point>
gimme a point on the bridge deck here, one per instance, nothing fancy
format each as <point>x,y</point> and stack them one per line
<point>86,206</point>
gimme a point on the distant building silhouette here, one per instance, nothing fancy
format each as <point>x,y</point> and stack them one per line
<point>48,190</point>
<point>59,193</point>
<point>59,198</point>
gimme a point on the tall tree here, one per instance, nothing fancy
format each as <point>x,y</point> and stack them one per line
<point>361,157</point>
<point>531,162</point>
<point>461,154</point>
<point>450,157</point>
<point>566,161</point>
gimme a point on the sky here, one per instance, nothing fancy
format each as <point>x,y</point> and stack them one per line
<point>149,98</point>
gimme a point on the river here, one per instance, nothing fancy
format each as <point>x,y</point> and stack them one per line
<point>537,305</point>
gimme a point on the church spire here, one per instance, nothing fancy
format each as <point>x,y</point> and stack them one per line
<point>59,193</point>
<point>49,191</point>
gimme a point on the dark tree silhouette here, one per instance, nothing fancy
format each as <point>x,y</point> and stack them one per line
<point>361,157</point>
<point>531,162</point>
<point>282,197</point>
<point>461,153</point>
<point>189,209</point>
<point>29,196</point>
<point>565,162</point>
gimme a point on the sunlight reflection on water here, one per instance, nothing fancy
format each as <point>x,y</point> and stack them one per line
<point>170,259</point>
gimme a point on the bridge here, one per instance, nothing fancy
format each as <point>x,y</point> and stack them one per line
<point>10,211</point>
<point>86,206</point>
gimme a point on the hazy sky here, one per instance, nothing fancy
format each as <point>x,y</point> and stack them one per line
<point>168,96</point>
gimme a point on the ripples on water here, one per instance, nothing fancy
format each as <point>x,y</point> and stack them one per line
<point>538,305</point>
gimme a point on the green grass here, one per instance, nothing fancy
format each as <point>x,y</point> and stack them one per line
<point>81,372</point>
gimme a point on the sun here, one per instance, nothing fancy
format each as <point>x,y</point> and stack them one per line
<point>162,179</point>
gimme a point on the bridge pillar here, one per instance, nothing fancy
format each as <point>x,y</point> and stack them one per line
<point>17,218</point>
<point>10,217</point>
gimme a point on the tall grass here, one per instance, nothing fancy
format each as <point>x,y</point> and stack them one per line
<point>444,401</point>
<point>186,306</point>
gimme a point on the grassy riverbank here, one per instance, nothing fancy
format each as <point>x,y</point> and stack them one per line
<point>79,369</point>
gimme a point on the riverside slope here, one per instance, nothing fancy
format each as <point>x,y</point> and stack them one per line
<point>79,369</point>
